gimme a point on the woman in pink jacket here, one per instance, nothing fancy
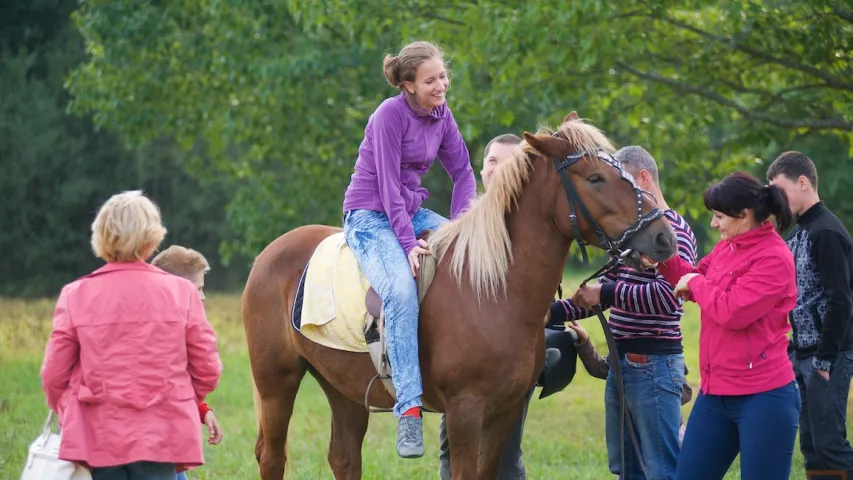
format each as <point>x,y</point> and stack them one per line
<point>748,402</point>
<point>130,356</point>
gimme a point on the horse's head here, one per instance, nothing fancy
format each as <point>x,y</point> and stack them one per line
<point>598,201</point>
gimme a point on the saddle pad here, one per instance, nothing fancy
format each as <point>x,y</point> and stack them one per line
<point>333,309</point>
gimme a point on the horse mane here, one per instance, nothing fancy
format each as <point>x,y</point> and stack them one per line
<point>480,234</point>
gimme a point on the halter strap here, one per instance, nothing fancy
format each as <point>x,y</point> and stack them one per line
<point>612,246</point>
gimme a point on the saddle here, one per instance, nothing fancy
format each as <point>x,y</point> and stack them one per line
<point>336,307</point>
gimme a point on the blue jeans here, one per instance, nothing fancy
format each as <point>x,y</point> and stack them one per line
<point>761,427</point>
<point>136,471</point>
<point>181,476</point>
<point>381,258</point>
<point>653,396</point>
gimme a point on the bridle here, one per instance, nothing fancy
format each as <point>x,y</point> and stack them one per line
<point>612,246</point>
<point>617,259</point>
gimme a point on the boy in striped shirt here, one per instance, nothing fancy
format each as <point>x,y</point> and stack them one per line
<point>645,319</point>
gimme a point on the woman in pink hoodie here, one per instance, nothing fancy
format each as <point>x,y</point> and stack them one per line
<point>130,356</point>
<point>748,402</point>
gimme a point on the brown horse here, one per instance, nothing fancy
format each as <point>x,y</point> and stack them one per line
<point>481,331</point>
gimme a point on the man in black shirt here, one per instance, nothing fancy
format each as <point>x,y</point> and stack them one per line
<point>822,337</point>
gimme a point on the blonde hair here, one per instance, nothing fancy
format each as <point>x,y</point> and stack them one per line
<point>480,235</point>
<point>127,228</point>
<point>181,261</point>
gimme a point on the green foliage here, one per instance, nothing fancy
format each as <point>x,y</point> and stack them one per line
<point>279,92</point>
<point>57,169</point>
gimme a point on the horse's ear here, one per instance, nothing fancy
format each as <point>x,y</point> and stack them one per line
<point>547,145</point>
<point>571,117</point>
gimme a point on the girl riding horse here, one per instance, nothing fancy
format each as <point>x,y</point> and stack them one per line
<point>383,213</point>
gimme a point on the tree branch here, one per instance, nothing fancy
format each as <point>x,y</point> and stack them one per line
<point>842,13</point>
<point>433,16</point>
<point>780,95</point>
<point>830,80</point>
<point>831,124</point>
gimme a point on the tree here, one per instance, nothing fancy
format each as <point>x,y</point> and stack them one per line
<point>57,169</point>
<point>280,92</point>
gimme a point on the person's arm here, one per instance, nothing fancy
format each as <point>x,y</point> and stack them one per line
<point>61,354</point>
<point>453,155</point>
<point>594,364</point>
<point>655,297</point>
<point>203,362</point>
<point>387,152</point>
<point>565,310</point>
<point>751,296</point>
<point>203,408</point>
<point>831,254</point>
<point>678,266</point>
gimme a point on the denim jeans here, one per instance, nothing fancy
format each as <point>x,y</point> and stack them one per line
<point>653,397</point>
<point>511,464</point>
<point>823,418</point>
<point>381,258</point>
<point>136,471</point>
<point>181,476</point>
<point>761,427</point>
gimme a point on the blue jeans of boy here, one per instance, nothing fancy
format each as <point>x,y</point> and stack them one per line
<point>380,256</point>
<point>653,396</point>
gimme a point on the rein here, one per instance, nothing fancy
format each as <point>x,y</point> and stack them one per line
<point>617,258</point>
<point>613,358</point>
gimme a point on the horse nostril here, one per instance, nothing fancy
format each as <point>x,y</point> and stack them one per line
<point>663,240</point>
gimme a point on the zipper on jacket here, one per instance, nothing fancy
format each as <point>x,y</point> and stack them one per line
<point>748,352</point>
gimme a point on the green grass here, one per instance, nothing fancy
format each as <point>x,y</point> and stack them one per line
<point>563,437</point>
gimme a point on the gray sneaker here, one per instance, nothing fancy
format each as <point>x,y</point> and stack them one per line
<point>410,437</point>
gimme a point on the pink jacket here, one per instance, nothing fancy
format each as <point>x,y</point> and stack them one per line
<point>745,289</point>
<point>130,357</point>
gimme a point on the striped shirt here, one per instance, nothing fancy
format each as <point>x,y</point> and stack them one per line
<point>645,316</point>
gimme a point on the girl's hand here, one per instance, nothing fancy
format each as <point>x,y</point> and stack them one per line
<point>414,264</point>
<point>214,431</point>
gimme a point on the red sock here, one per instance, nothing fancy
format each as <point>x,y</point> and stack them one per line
<point>413,412</point>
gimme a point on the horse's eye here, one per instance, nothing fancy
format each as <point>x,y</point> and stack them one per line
<point>595,178</point>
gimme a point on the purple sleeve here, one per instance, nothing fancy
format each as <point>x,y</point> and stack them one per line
<point>387,145</point>
<point>453,155</point>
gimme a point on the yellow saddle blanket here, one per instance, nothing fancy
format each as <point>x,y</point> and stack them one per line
<point>333,308</point>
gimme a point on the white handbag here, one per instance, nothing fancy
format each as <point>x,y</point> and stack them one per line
<point>43,463</point>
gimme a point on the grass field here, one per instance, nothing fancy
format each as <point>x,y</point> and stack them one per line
<point>563,438</point>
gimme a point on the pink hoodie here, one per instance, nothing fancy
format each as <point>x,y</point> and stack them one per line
<point>745,288</point>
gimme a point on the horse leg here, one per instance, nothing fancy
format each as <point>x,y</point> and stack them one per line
<point>495,433</point>
<point>349,424</point>
<point>276,400</point>
<point>464,419</point>
<point>277,371</point>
